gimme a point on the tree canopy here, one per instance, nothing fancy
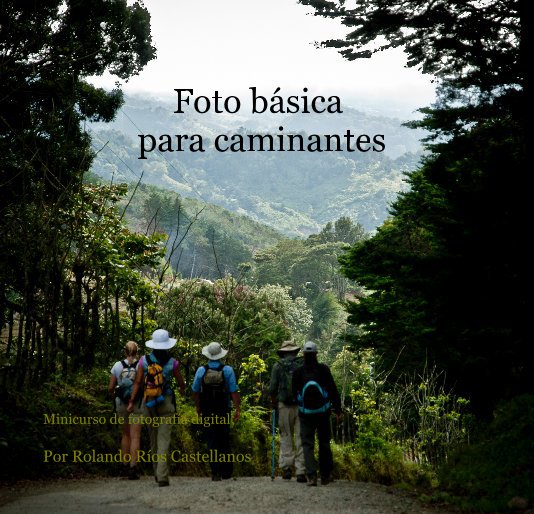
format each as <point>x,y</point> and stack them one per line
<point>64,250</point>
<point>445,275</point>
<point>477,50</point>
<point>47,51</point>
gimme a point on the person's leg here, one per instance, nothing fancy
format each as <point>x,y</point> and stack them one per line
<point>125,438</point>
<point>165,412</point>
<point>152,435</point>
<point>135,444</point>
<point>125,442</point>
<point>299,454</point>
<point>210,436</point>
<point>225,448</point>
<point>287,457</point>
<point>324,434</point>
<point>307,437</point>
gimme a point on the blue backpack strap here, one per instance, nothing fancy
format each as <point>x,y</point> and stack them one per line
<point>168,372</point>
<point>300,399</point>
<point>145,362</point>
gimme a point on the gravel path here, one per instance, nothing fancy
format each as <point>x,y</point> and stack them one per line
<point>185,494</point>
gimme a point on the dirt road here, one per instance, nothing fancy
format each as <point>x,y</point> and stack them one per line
<point>184,495</point>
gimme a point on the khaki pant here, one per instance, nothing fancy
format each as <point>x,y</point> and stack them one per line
<point>160,437</point>
<point>289,425</point>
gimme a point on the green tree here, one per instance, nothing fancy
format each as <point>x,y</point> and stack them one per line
<point>47,51</point>
<point>445,275</point>
<point>478,51</point>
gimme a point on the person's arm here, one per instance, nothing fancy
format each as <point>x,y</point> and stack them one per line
<point>333,393</point>
<point>296,383</point>
<point>112,385</point>
<point>231,387</point>
<point>136,387</point>
<point>236,400</point>
<point>273,386</point>
<point>196,387</point>
<point>179,379</point>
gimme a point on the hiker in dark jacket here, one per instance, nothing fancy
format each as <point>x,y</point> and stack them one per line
<point>317,395</point>
<point>288,419</point>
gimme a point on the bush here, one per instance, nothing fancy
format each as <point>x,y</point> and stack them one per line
<point>498,470</point>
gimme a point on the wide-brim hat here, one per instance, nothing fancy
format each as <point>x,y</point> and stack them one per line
<point>161,340</point>
<point>214,351</point>
<point>288,346</point>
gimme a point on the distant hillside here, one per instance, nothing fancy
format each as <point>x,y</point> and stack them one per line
<point>213,243</point>
<point>294,192</point>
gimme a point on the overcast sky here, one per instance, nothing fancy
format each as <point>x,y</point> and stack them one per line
<point>231,45</point>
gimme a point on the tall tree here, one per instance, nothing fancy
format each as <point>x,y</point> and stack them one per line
<point>446,274</point>
<point>477,50</point>
<point>47,50</point>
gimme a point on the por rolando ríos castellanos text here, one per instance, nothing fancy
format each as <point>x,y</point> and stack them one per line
<point>261,142</point>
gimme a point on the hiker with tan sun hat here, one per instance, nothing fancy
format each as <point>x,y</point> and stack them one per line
<point>280,389</point>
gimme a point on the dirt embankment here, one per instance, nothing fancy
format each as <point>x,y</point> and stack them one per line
<point>244,494</point>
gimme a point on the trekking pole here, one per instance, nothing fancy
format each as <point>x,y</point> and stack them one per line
<point>272,443</point>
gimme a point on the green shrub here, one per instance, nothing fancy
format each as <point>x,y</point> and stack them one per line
<point>499,467</point>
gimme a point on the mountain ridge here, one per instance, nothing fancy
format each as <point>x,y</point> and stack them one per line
<point>294,192</point>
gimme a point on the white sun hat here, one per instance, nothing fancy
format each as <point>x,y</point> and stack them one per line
<point>160,340</point>
<point>213,351</point>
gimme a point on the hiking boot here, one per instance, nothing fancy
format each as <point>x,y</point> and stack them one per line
<point>301,479</point>
<point>124,471</point>
<point>133,473</point>
<point>312,480</point>
<point>286,475</point>
<point>326,480</point>
<point>216,478</point>
<point>163,483</point>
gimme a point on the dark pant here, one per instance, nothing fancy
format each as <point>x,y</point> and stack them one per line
<point>308,425</point>
<point>218,438</point>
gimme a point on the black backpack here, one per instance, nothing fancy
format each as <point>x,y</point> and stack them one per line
<point>213,393</point>
<point>313,399</point>
<point>285,380</point>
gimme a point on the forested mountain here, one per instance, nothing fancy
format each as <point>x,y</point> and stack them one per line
<point>295,192</point>
<point>203,240</point>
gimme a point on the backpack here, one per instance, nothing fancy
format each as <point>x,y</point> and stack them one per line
<point>125,381</point>
<point>213,394</point>
<point>313,399</point>
<point>285,380</point>
<point>154,382</point>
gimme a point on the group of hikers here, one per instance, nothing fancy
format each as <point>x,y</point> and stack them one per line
<point>303,393</point>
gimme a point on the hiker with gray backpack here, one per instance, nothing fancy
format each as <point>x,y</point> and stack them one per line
<point>285,402</point>
<point>317,396</point>
<point>215,392</point>
<point>120,387</point>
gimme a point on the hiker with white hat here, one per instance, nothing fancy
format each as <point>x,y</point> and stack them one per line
<point>283,399</point>
<point>154,378</point>
<point>317,396</point>
<point>215,390</point>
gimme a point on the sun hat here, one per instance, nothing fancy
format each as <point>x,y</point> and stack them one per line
<point>160,340</point>
<point>213,351</point>
<point>309,347</point>
<point>288,346</point>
